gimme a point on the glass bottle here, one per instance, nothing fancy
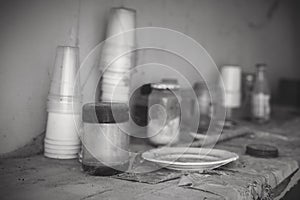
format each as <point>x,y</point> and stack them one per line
<point>261,96</point>
<point>248,83</point>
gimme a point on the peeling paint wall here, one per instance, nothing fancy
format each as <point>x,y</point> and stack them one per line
<point>232,31</point>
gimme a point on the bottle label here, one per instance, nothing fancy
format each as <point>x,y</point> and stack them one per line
<point>261,105</point>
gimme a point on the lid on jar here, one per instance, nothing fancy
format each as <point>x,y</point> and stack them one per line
<point>105,112</point>
<point>200,87</point>
<point>249,77</point>
<point>171,84</point>
<point>261,65</point>
<point>262,150</point>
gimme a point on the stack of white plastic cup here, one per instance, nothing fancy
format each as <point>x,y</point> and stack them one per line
<point>117,57</point>
<point>64,106</point>
<point>231,76</point>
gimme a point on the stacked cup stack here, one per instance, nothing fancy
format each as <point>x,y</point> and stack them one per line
<point>231,76</point>
<point>63,107</point>
<point>117,57</point>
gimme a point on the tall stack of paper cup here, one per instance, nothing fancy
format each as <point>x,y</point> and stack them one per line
<point>63,106</point>
<point>231,76</point>
<point>117,57</point>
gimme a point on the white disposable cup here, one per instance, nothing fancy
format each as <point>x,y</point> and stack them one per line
<point>65,143</point>
<point>62,130</point>
<point>116,75</point>
<point>61,147</point>
<point>117,56</point>
<point>64,79</point>
<point>232,100</point>
<point>60,156</point>
<point>117,64</point>
<point>73,153</point>
<point>63,107</point>
<point>109,95</point>
<point>118,69</point>
<point>63,127</point>
<point>113,51</point>
<point>115,89</point>
<point>114,97</point>
<point>231,76</point>
<point>49,149</point>
<point>120,21</point>
<point>62,150</point>
<point>116,82</point>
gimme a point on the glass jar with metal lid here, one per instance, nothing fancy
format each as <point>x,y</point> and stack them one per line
<point>164,113</point>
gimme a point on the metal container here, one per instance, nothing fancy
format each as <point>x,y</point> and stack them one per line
<point>105,143</point>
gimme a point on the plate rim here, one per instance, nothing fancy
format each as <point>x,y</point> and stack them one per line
<point>233,157</point>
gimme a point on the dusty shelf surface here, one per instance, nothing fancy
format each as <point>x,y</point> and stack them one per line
<point>42,178</point>
<point>37,177</point>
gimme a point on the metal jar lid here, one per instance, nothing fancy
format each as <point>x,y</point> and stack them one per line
<point>262,150</point>
<point>171,84</point>
<point>200,88</point>
<point>105,112</point>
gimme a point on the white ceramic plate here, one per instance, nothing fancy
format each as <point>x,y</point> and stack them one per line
<point>191,159</point>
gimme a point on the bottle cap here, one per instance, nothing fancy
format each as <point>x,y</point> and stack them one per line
<point>261,65</point>
<point>105,112</point>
